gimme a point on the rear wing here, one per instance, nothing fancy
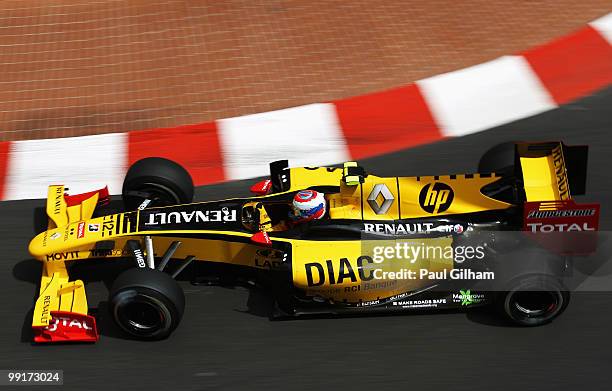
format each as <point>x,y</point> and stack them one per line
<point>61,311</point>
<point>552,174</point>
<point>551,171</point>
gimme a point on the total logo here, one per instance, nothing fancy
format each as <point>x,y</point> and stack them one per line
<point>60,321</point>
<point>541,227</point>
<point>81,230</point>
<point>436,197</point>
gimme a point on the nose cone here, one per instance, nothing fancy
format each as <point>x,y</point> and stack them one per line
<point>47,242</point>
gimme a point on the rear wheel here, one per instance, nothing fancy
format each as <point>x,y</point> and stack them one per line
<point>500,160</point>
<point>161,181</point>
<point>534,300</point>
<point>146,303</point>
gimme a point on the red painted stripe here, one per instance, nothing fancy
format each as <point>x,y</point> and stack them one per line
<point>386,121</point>
<point>195,147</point>
<point>5,147</point>
<point>573,66</point>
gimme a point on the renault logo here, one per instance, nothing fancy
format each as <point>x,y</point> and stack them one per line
<point>380,190</point>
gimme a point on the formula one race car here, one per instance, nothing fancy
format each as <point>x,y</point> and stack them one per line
<point>384,243</point>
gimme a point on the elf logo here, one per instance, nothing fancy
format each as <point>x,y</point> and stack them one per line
<point>436,197</point>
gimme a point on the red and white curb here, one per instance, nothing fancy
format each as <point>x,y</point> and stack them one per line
<point>448,105</point>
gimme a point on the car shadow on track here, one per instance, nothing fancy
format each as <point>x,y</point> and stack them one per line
<point>28,270</point>
<point>261,303</point>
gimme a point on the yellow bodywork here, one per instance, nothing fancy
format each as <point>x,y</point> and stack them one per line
<point>352,203</point>
<point>348,271</point>
<point>60,214</point>
<point>545,177</point>
<point>57,293</point>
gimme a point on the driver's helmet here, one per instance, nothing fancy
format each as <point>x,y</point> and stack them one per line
<point>308,205</point>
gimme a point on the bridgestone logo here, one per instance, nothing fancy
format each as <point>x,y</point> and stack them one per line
<point>543,214</point>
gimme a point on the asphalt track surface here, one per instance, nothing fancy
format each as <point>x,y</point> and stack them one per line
<point>222,345</point>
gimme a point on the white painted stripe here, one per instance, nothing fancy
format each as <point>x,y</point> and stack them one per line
<point>485,95</point>
<point>604,26</point>
<point>81,163</point>
<point>306,135</point>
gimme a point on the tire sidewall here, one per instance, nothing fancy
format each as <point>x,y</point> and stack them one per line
<point>174,196</point>
<point>539,283</point>
<point>162,172</point>
<point>168,313</point>
<point>150,287</point>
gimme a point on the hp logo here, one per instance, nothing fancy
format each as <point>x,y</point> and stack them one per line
<point>436,197</point>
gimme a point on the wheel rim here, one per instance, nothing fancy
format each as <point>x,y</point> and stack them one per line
<point>535,303</point>
<point>141,315</point>
<point>534,306</point>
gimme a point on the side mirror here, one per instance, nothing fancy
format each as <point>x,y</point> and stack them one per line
<point>262,188</point>
<point>261,238</point>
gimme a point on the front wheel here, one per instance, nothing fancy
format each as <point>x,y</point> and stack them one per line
<point>160,181</point>
<point>146,303</point>
<point>533,300</point>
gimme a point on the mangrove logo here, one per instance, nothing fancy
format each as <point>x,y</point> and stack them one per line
<point>436,197</point>
<point>466,297</point>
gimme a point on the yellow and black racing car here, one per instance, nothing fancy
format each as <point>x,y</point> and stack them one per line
<point>379,244</point>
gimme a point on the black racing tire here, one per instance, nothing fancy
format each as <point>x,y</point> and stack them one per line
<point>146,303</point>
<point>165,182</point>
<point>498,159</point>
<point>533,300</point>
